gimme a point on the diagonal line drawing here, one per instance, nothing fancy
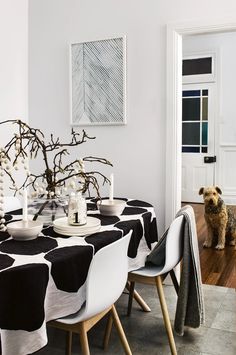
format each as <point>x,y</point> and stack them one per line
<point>98,82</point>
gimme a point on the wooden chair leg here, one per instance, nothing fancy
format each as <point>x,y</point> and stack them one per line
<point>84,340</point>
<point>68,342</point>
<point>139,299</point>
<point>174,280</point>
<point>107,331</point>
<point>120,331</point>
<point>131,296</point>
<point>165,315</point>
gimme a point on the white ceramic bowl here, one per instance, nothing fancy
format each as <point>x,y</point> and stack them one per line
<point>21,230</point>
<point>111,208</point>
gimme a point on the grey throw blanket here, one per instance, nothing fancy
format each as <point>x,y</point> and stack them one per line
<point>190,306</point>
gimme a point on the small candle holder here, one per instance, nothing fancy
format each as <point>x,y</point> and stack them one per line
<point>109,207</point>
<point>24,230</point>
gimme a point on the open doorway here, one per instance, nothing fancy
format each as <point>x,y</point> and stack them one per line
<point>224,173</point>
<point>208,115</point>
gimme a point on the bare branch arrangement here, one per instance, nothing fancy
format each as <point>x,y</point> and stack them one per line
<point>57,176</point>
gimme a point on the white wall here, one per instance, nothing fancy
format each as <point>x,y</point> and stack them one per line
<point>223,44</point>
<point>138,149</point>
<point>13,65</point>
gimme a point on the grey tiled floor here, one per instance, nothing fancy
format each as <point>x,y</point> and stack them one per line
<point>146,334</point>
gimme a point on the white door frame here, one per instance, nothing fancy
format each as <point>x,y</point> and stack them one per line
<point>174,104</point>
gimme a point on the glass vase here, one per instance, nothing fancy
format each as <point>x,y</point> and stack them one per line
<point>47,210</point>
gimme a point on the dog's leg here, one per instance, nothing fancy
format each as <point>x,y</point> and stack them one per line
<point>233,241</point>
<point>221,237</point>
<point>209,238</point>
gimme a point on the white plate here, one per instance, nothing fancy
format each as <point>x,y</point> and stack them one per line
<point>75,228</point>
<point>77,233</point>
<point>61,226</point>
<point>63,222</point>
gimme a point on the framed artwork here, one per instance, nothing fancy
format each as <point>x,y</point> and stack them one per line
<point>98,85</point>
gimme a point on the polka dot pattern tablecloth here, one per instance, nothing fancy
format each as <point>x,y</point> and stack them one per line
<point>45,278</point>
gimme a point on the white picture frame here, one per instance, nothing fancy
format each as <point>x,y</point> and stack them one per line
<point>98,82</point>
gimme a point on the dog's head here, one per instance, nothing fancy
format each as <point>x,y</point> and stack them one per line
<point>210,194</point>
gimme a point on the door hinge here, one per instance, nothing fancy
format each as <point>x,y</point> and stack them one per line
<point>209,160</point>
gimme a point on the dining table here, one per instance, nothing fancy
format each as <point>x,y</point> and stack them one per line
<point>45,278</point>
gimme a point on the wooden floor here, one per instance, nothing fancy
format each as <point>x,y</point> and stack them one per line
<point>218,267</point>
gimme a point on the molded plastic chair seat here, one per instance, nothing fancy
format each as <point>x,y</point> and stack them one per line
<point>148,271</point>
<point>152,274</point>
<point>106,280</point>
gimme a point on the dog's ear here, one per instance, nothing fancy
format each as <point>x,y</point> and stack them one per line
<point>201,191</point>
<point>218,190</point>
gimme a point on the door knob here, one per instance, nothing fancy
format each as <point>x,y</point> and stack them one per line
<point>209,160</point>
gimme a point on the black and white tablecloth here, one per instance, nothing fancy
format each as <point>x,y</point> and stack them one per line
<point>45,278</point>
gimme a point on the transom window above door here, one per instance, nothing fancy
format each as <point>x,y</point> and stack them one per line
<point>199,68</point>
<point>195,121</point>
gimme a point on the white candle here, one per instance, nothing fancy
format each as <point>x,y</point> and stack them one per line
<point>111,193</point>
<point>25,205</point>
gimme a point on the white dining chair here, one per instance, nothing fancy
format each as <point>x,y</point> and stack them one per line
<point>153,275</point>
<point>106,280</point>
<point>11,203</point>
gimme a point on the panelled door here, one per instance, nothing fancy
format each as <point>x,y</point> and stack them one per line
<point>198,139</point>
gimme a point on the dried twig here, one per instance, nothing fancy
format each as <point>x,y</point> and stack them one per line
<point>29,142</point>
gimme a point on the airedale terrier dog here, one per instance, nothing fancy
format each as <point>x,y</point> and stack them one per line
<point>220,218</point>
